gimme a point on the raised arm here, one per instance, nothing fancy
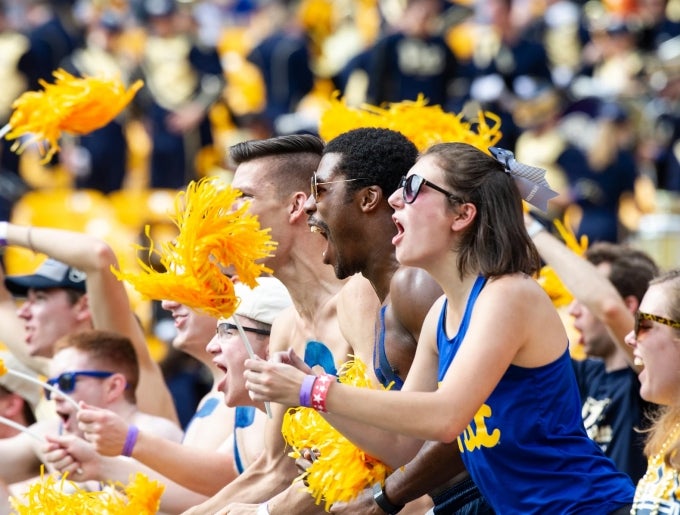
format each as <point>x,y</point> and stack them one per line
<point>108,301</point>
<point>587,284</point>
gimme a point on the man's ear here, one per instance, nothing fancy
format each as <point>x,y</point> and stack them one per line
<point>82,308</point>
<point>464,215</point>
<point>371,197</point>
<point>115,386</point>
<point>631,303</point>
<point>296,206</point>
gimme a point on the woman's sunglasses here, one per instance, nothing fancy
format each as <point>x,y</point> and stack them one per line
<point>412,185</point>
<point>66,382</point>
<point>640,316</point>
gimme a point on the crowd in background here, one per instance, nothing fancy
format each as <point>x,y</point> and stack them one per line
<point>587,90</point>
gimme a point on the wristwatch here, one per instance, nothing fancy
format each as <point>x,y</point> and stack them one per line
<point>384,503</point>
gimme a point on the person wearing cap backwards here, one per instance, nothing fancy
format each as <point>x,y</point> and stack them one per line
<point>97,368</point>
<point>73,291</point>
<point>18,398</point>
<point>189,465</point>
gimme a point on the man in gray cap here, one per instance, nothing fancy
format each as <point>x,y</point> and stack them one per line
<point>56,288</point>
<point>73,291</point>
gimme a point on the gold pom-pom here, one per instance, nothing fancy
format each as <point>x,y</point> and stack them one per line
<point>215,234</point>
<point>141,496</point>
<point>3,368</point>
<point>423,124</point>
<point>342,470</point>
<point>71,104</point>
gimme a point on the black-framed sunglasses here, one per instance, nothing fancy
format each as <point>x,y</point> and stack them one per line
<point>223,329</point>
<point>413,183</point>
<point>66,382</point>
<point>640,316</point>
<point>315,184</point>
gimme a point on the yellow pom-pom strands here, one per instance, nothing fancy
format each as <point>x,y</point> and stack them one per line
<point>4,370</point>
<point>341,471</point>
<point>215,234</point>
<point>423,124</point>
<point>70,104</point>
<point>47,495</point>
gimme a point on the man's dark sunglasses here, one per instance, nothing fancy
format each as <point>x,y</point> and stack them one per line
<point>66,382</point>
<point>413,183</point>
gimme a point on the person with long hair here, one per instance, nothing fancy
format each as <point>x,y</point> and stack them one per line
<point>655,341</point>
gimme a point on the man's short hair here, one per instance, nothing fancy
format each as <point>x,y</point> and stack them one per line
<point>109,351</point>
<point>631,269</point>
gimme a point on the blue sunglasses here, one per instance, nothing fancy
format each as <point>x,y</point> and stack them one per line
<point>66,382</point>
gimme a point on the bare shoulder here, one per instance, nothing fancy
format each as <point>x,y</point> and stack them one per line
<point>521,287</point>
<point>413,292</point>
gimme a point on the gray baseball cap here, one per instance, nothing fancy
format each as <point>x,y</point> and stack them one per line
<point>50,274</point>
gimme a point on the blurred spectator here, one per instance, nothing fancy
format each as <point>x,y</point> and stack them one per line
<point>98,160</point>
<point>537,111</point>
<point>13,44</point>
<point>503,53</point>
<point>612,63</point>
<point>655,26</point>
<point>600,168</point>
<point>183,80</point>
<point>413,59</point>
<point>283,59</point>
<point>52,36</point>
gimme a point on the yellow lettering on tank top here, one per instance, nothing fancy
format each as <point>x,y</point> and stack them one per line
<point>476,435</point>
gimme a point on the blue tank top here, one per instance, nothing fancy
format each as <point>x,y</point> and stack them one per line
<point>526,448</point>
<point>244,417</point>
<point>383,370</point>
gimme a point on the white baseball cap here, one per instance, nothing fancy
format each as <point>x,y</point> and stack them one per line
<point>264,302</point>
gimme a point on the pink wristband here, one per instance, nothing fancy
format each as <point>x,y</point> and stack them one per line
<point>130,441</point>
<point>320,391</point>
<point>306,390</point>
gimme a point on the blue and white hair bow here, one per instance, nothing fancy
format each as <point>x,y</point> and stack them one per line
<point>530,180</point>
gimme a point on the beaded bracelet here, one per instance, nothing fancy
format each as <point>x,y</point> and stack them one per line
<point>130,441</point>
<point>306,390</point>
<point>320,392</point>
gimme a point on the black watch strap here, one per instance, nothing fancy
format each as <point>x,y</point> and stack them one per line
<point>384,503</point>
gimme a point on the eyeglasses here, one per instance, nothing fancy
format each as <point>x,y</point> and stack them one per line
<point>315,190</point>
<point>413,183</point>
<point>639,316</point>
<point>224,329</point>
<point>66,382</point>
